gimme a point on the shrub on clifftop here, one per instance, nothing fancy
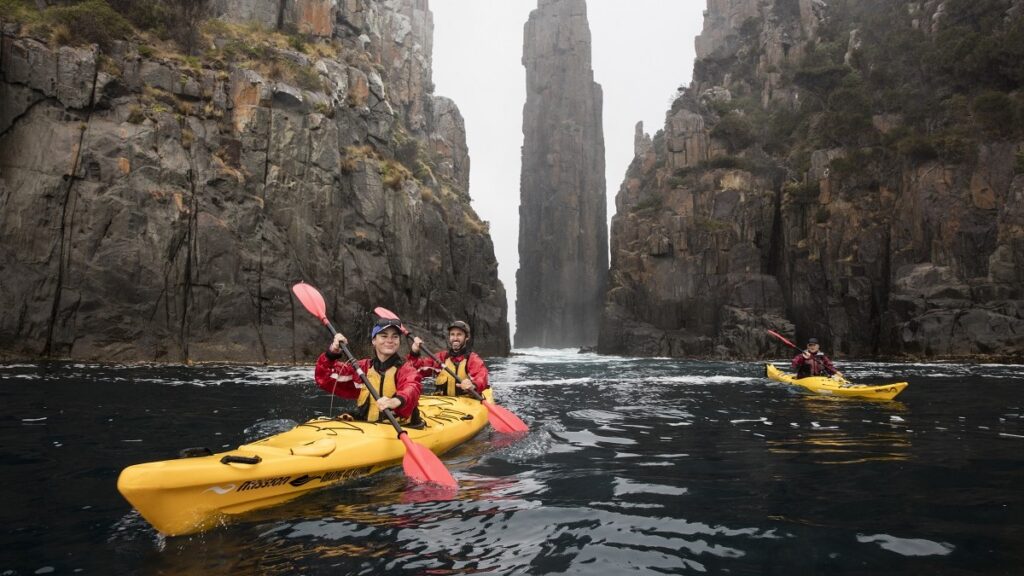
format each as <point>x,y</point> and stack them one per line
<point>735,131</point>
<point>92,22</point>
<point>994,111</point>
<point>18,11</point>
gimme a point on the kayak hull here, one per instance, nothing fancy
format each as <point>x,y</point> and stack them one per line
<point>831,387</point>
<point>188,495</point>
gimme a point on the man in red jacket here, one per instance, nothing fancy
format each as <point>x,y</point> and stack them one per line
<point>814,362</point>
<point>397,382</point>
<point>459,358</point>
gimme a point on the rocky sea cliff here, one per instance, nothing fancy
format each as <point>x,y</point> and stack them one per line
<point>852,171</point>
<point>163,185</point>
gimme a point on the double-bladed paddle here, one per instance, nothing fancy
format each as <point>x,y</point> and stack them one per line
<point>795,347</point>
<point>502,420</point>
<point>419,463</point>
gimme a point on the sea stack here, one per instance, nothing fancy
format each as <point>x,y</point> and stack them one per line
<point>563,237</point>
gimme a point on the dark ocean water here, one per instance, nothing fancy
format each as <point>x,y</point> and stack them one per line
<point>640,466</point>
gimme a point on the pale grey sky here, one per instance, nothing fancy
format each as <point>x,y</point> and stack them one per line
<point>642,51</point>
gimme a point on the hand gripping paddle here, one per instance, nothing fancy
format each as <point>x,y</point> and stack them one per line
<point>419,463</point>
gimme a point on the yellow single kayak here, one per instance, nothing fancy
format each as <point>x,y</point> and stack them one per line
<point>836,386</point>
<point>192,494</point>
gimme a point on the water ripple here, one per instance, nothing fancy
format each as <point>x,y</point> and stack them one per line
<point>908,546</point>
<point>631,465</point>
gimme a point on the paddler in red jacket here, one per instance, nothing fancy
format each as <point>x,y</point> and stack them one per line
<point>814,362</point>
<point>397,382</point>
<point>458,358</point>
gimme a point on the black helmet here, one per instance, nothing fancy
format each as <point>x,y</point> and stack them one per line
<point>461,326</point>
<point>812,341</point>
<point>384,323</point>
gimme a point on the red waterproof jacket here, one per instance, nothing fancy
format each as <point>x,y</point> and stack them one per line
<point>816,365</point>
<point>339,377</point>
<point>475,367</point>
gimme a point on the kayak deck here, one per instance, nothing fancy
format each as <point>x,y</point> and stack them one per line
<point>836,387</point>
<point>189,495</point>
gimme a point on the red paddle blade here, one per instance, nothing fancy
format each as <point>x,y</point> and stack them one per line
<point>382,312</point>
<point>504,421</point>
<point>783,338</point>
<point>420,493</point>
<point>311,299</point>
<point>422,465</point>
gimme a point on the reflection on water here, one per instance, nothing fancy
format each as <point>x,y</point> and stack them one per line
<point>631,465</point>
<point>825,434</point>
<point>908,546</point>
<point>836,447</point>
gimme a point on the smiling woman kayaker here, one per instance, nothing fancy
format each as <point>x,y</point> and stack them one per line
<point>814,362</point>
<point>397,382</point>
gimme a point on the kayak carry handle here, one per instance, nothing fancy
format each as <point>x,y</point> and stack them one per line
<point>230,459</point>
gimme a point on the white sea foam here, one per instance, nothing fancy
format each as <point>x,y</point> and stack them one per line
<point>589,439</point>
<point>701,379</point>
<point>546,382</point>
<point>562,355</point>
<point>271,377</point>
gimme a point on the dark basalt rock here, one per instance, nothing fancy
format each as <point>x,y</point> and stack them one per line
<point>167,219</point>
<point>718,237</point>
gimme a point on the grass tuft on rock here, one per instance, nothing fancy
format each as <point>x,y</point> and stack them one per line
<point>88,22</point>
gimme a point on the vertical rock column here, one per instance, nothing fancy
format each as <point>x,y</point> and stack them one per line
<point>563,236</point>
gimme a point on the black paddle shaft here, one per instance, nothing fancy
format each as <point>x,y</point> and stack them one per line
<point>366,381</point>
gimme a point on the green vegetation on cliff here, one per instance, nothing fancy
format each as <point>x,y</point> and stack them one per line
<point>102,22</point>
<point>183,32</point>
<point>86,22</point>
<point>913,93</point>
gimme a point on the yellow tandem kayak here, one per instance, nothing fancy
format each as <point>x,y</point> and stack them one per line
<point>189,495</point>
<point>838,386</point>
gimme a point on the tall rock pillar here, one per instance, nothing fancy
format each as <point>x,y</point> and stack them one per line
<point>563,236</point>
